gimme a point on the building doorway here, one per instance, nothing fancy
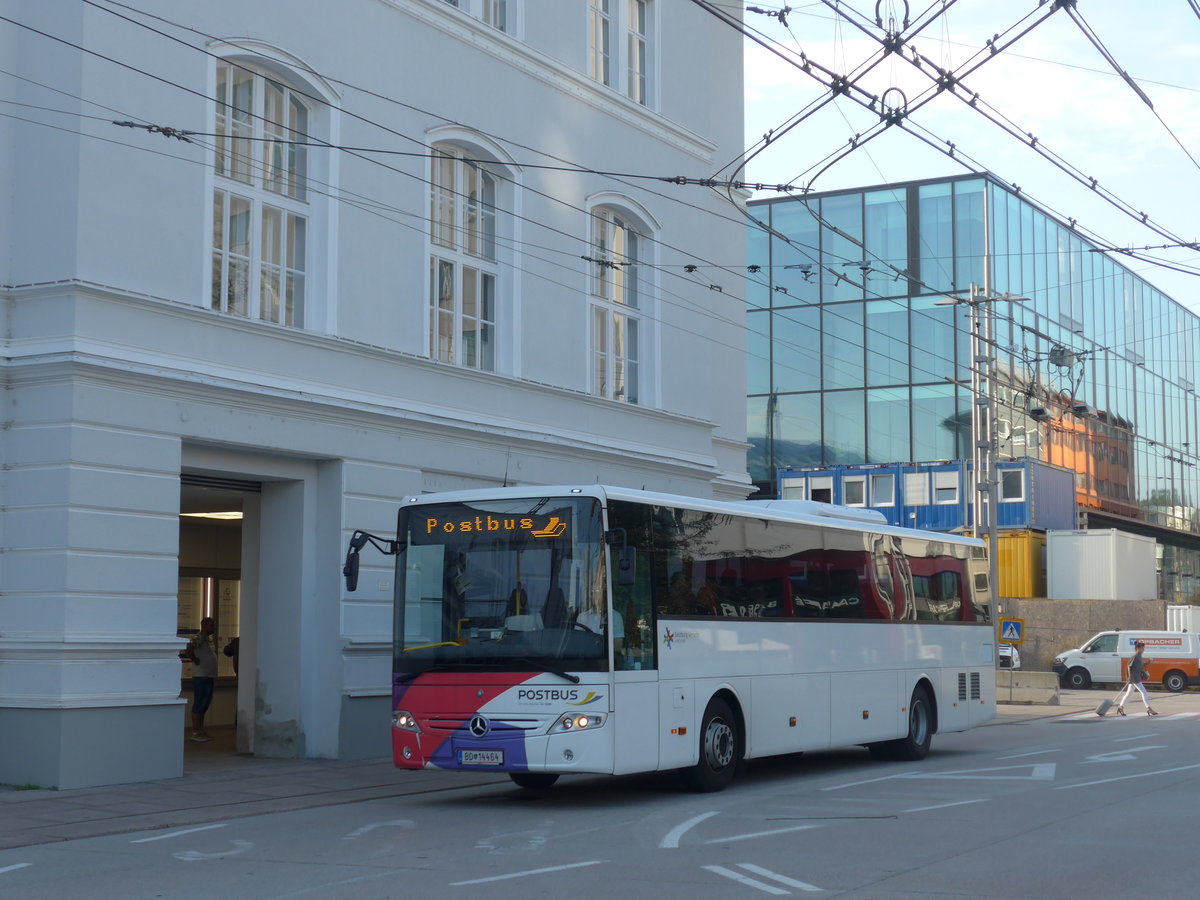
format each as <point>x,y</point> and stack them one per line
<point>210,586</point>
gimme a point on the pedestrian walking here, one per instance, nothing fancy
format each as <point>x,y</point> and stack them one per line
<point>1137,675</point>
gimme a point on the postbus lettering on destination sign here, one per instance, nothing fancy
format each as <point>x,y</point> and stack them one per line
<point>542,527</point>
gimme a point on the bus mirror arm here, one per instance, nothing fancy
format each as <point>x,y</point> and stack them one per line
<point>358,540</point>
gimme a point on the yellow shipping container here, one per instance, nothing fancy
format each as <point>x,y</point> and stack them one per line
<point>1021,563</point>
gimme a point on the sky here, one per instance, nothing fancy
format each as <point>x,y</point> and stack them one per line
<point>1053,83</point>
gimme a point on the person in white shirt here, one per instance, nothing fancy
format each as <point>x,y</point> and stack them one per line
<point>203,656</point>
<point>593,620</point>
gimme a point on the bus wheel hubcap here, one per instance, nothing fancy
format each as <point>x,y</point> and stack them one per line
<point>718,744</point>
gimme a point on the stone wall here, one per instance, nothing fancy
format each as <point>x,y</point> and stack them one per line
<point>1052,626</point>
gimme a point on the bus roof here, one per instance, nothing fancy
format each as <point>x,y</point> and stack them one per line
<point>808,511</point>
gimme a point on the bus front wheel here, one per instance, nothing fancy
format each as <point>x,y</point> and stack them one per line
<point>720,749</point>
<point>915,744</point>
<point>535,781</point>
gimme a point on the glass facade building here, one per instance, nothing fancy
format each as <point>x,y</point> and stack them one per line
<point>856,357</point>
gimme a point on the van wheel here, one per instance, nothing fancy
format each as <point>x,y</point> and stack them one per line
<point>1077,678</point>
<point>720,750</point>
<point>1175,681</point>
<point>914,745</point>
<point>534,781</point>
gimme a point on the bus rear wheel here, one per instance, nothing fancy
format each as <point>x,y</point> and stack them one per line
<point>534,781</point>
<point>915,744</point>
<point>720,749</point>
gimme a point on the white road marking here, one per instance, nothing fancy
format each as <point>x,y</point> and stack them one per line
<point>746,880</point>
<point>1136,737</point>
<point>1067,787</point>
<point>594,862</point>
<point>1037,772</point>
<point>746,837</point>
<point>946,805</point>
<point>163,837</point>
<point>673,836</point>
<point>838,787</point>
<point>14,868</point>
<point>195,855</point>
<point>1122,754</point>
<point>782,879</point>
<point>1023,755</point>
<point>367,829</point>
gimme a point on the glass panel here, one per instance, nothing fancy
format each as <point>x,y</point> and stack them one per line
<point>886,227</point>
<point>845,427</point>
<point>636,85</point>
<point>937,430</point>
<point>888,412</point>
<point>841,250</point>
<point>883,490</point>
<point>470,316</point>
<point>487,213</point>
<point>797,429</point>
<point>796,349</point>
<point>242,127</point>
<point>968,234</point>
<point>270,282</point>
<point>470,187</point>
<point>887,342</point>
<point>274,148</point>
<point>933,332</point>
<point>758,255</point>
<point>598,41</point>
<point>487,301</point>
<point>758,457</point>
<point>298,155</point>
<point>795,264</point>
<point>758,352</point>
<point>843,358</point>
<point>442,206</point>
<point>935,227</point>
<point>599,352</point>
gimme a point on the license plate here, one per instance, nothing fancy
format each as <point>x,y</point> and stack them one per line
<point>481,757</point>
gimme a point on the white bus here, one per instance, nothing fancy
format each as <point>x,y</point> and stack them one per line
<point>543,630</point>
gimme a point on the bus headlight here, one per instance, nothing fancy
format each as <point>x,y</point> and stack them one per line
<point>405,721</point>
<point>577,722</point>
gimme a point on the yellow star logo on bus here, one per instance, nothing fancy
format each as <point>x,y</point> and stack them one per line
<point>553,529</point>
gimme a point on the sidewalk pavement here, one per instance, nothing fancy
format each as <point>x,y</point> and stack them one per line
<point>218,785</point>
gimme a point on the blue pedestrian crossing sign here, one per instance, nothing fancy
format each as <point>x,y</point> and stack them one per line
<point>1012,631</point>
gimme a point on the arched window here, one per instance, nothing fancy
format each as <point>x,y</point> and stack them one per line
<point>464,273</point>
<point>261,210</point>
<point>617,305</point>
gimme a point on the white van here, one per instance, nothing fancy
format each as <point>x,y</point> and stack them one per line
<point>1172,657</point>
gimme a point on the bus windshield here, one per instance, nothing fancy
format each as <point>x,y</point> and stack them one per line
<point>501,585</point>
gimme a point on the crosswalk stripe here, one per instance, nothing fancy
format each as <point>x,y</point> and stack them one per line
<point>782,879</point>
<point>746,880</point>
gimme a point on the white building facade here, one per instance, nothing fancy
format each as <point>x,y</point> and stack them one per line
<point>298,260</point>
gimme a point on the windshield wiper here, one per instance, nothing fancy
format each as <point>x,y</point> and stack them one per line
<point>574,679</point>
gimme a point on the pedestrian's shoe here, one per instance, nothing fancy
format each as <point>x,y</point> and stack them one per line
<point>1120,710</point>
<point>1151,712</point>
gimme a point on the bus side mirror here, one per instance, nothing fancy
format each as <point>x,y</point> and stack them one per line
<point>350,569</point>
